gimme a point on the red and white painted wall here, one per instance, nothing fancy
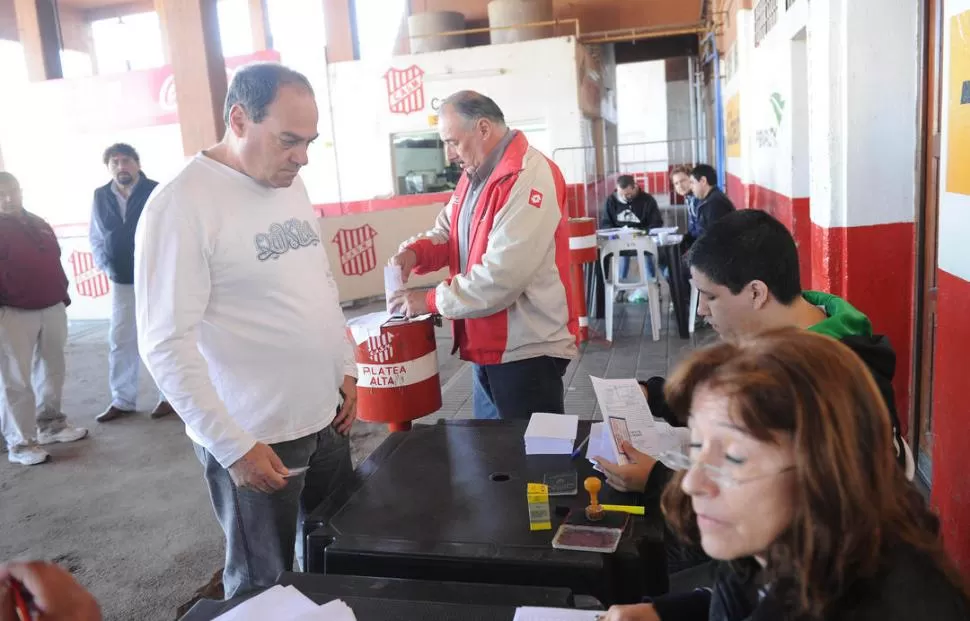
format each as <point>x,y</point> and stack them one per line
<point>822,134</point>
<point>951,431</point>
<point>766,115</point>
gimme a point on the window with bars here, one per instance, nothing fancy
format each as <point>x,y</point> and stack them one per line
<point>765,16</point>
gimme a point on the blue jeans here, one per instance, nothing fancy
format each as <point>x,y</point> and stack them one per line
<point>626,259</point>
<point>514,390</point>
<point>261,529</point>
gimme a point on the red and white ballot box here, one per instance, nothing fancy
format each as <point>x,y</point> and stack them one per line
<point>397,369</point>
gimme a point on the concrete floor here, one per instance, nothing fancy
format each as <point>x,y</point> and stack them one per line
<point>127,511</point>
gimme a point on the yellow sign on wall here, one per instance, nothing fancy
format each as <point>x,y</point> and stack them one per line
<point>958,134</point>
<point>733,122</point>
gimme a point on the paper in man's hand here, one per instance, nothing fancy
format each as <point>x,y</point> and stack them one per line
<point>393,283</point>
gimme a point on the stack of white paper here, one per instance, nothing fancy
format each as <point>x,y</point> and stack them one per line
<point>528,613</point>
<point>626,416</point>
<point>287,604</point>
<point>551,434</point>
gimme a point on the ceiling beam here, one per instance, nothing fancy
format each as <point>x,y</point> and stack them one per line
<point>119,10</point>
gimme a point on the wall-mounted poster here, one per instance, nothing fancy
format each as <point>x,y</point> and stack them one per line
<point>733,121</point>
<point>958,134</point>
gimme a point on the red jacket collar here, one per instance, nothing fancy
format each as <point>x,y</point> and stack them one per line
<point>511,161</point>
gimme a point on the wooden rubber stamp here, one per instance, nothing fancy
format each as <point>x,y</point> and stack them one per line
<point>595,511</point>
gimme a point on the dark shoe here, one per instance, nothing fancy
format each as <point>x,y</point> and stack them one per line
<point>112,413</point>
<point>164,408</point>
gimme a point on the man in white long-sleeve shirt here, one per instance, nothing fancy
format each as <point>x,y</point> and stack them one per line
<point>240,324</point>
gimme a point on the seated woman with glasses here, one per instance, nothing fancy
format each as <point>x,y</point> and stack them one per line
<point>790,481</point>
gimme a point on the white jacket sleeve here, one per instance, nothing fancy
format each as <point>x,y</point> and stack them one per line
<point>96,239</point>
<point>171,296</point>
<point>523,231</point>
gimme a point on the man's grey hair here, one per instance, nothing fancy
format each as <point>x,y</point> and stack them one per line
<point>472,106</point>
<point>255,86</point>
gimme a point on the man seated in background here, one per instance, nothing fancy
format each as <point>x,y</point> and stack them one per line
<point>710,203</point>
<point>746,269</point>
<point>680,182</point>
<point>631,207</point>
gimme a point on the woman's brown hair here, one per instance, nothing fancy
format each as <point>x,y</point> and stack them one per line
<point>852,501</point>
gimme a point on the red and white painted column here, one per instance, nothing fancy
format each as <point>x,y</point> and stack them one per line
<point>863,114</point>
<point>582,250</point>
<point>951,431</point>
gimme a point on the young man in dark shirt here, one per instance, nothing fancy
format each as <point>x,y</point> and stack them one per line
<point>33,298</point>
<point>710,203</point>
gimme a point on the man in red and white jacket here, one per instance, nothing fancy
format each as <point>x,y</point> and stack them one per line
<point>504,237</point>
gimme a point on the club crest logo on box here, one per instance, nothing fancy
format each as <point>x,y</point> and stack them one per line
<point>89,281</point>
<point>379,348</point>
<point>405,89</point>
<point>356,249</point>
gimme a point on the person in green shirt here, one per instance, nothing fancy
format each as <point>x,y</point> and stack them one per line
<point>745,268</point>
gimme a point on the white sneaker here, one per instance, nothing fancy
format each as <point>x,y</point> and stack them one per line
<point>27,455</point>
<point>68,434</point>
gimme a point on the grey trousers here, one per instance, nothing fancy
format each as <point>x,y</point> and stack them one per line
<point>31,372</point>
<point>261,529</point>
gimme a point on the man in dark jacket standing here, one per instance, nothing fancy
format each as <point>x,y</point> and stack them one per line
<point>114,218</point>
<point>711,203</point>
<point>33,331</point>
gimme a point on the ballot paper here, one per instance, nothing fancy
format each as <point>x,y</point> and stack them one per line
<point>336,610</point>
<point>367,326</point>
<point>393,282</point>
<point>528,613</point>
<point>551,434</point>
<point>598,445</point>
<point>286,603</point>
<point>283,603</point>
<point>627,417</point>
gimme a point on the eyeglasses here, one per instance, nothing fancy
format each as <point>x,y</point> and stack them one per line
<point>676,460</point>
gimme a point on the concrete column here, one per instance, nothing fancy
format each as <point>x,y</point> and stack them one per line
<point>38,29</point>
<point>259,24</point>
<point>341,30</point>
<point>191,28</point>
<point>679,120</point>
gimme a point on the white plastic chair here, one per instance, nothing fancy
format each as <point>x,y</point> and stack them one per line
<point>695,300</point>
<point>640,244</point>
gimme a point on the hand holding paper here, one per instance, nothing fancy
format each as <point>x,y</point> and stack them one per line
<point>625,410</point>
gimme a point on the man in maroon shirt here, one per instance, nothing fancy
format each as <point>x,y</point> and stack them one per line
<point>33,331</point>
